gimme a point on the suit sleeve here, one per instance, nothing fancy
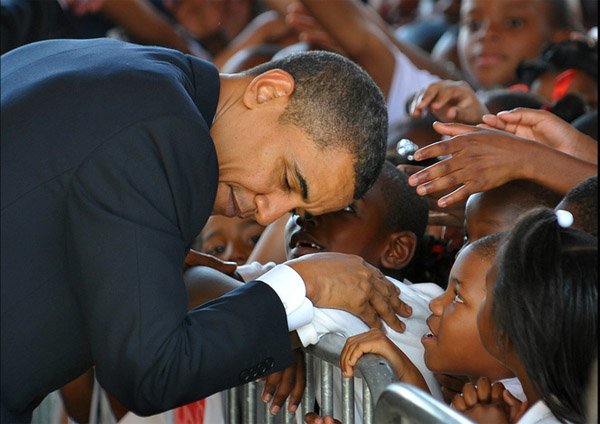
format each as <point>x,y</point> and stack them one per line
<point>134,206</point>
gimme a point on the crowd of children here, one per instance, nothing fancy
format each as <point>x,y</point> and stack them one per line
<point>497,205</point>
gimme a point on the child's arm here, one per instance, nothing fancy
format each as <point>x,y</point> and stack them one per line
<point>375,341</point>
<point>488,403</point>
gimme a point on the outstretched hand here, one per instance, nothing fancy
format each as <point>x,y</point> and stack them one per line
<point>347,282</point>
<point>479,159</point>
<point>547,128</point>
<point>449,101</point>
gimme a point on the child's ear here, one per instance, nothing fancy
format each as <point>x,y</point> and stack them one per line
<point>400,249</point>
<point>267,86</point>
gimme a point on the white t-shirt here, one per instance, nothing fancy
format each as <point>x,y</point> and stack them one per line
<point>406,81</point>
<point>539,413</point>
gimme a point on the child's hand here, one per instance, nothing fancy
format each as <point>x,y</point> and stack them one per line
<point>375,341</point>
<point>451,385</point>
<point>289,382</point>
<point>480,159</point>
<point>488,403</point>
<point>312,418</point>
<point>547,128</point>
<point>449,101</point>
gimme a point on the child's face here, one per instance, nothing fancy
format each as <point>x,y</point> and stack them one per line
<point>358,229</point>
<point>230,239</point>
<point>484,215</point>
<point>453,346</point>
<point>496,34</point>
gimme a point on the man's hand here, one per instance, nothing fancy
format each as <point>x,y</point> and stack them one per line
<point>347,282</point>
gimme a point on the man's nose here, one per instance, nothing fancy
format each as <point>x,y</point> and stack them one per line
<point>269,208</point>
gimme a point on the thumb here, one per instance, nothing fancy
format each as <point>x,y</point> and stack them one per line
<point>515,406</point>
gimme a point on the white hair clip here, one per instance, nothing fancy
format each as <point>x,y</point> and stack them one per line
<point>564,218</point>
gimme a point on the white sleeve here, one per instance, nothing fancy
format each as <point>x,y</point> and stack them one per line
<point>290,288</point>
<point>406,81</point>
<point>252,271</point>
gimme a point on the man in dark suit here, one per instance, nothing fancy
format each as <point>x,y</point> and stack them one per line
<point>113,157</point>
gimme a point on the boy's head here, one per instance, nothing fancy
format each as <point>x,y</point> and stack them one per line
<point>497,210</point>
<point>453,345</point>
<point>582,202</point>
<point>383,227</point>
<point>229,239</point>
<point>495,35</point>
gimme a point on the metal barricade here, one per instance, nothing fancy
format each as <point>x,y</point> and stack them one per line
<point>402,403</point>
<point>372,369</point>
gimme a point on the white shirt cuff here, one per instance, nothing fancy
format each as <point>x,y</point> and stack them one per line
<point>290,288</point>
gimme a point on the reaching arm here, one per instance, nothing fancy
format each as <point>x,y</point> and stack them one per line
<point>481,159</point>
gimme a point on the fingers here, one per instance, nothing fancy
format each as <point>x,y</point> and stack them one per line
<point>386,304</point>
<point>313,418</point>
<point>469,395</point>
<point>356,346</point>
<point>497,394</point>
<point>442,176</point>
<point>458,403</point>
<point>283,384</point>
<point>484,390</point>
<point>450,129</point>
<point>286,384</point>
<point>409,169</point>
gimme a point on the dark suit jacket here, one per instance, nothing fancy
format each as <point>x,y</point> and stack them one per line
<point>108,174</point>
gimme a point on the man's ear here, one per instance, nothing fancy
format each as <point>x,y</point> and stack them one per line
<point>400,250</point>
<point>267,86</point>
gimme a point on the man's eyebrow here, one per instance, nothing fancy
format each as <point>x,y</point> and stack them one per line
<point>302,181</point>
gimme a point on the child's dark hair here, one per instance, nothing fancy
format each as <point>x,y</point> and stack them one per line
<point>406,210</point>
<point>499,99</point>
<point>545,302</point>
<point>487,246</point>
<point>577,54</point>
<point>582,202</point>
